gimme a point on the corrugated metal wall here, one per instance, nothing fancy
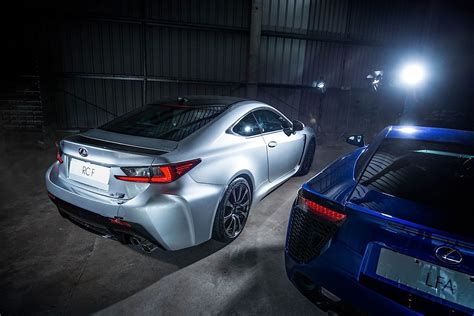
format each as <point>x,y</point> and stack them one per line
<point>103,59</point>
<point>340,41</point>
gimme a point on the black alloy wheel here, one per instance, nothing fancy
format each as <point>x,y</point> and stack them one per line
<point>233,211</point>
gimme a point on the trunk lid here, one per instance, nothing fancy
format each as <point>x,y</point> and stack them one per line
<point>92,159</point>
<point>455,220</point>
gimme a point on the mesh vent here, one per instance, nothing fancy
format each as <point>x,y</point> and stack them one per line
<point>307,235</point>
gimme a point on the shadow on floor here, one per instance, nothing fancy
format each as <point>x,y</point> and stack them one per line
<point>88,277</point>
<point>50,266</point>
<point>263,292</point>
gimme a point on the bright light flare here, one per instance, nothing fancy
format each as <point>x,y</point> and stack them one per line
<point>408,129</point>
<point>413,74</point>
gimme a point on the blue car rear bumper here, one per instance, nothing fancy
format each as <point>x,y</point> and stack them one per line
<point>322,272</point>
<point>349,273</point>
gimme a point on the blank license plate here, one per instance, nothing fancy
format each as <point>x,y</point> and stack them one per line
<point>89,173</point>
<point>438,281</point>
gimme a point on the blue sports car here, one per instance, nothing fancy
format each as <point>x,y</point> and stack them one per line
<point>389,227</point>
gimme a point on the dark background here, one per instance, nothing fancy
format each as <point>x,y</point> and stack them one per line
<point>74,65</point>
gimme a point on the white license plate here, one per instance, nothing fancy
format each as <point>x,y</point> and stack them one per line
<point>89,173</point>
<point>438,281</point>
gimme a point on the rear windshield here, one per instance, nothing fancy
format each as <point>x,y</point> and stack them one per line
<point>438,175</point>
<point>418,171</point>
<point>170,122</point>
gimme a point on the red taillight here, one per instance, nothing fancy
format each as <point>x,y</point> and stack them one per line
<point>165,175</point>
<point>59,153</point>
<point>185,167</point>
<point>321,210</point>
<point>158,174</point>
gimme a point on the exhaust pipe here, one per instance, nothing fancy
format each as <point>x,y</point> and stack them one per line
<point>143,244</point>
<point>148,246</point>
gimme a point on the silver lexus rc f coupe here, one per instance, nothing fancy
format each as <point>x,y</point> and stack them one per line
<point>175,173</point>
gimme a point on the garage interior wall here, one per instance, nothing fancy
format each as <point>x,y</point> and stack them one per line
<point>94,60</point>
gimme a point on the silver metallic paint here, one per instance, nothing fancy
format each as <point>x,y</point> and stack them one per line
<point>181,214</point>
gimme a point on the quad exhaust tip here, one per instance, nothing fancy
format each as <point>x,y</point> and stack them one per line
<point>143,244</point>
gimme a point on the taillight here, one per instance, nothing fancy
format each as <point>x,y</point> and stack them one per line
<point>320,210</point>
<point>59,153</point>
<point>158,174</point>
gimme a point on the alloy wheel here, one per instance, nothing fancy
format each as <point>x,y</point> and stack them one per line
<point>236,210</point>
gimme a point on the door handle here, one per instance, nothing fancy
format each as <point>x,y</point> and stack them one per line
<point>272,144</point>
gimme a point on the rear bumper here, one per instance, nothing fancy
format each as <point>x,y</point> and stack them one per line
<point>101,225</point>
<point>347,274</point>
<point>345,265</point>
<point>174,217</point>
<point>308,278</point>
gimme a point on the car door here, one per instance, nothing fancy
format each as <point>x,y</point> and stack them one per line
<point>284,152</point>
<point>251,145</point>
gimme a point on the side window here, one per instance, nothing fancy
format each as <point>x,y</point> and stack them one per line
<point>247,126</point>
<point>270,121</point>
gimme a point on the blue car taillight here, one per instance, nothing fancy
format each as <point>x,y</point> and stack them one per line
<point>312,225</point>
<point>320,210</point>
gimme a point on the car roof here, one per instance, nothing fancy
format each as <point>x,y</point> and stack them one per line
<point>433,134</point>
<point>200,100</point>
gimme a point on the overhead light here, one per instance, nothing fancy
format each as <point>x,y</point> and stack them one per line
<point>375,78</point>
<point>413,74</point>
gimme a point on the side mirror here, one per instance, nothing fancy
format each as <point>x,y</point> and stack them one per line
<point>297,126</point>
<point>287,128</point>
<point>356,140</point>
<point>288,131</point>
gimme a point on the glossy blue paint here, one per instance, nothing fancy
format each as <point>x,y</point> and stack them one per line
<point>346,265</point>
<point>336,181</point>
<point>433,134</point>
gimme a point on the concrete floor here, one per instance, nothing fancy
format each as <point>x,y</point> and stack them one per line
<point>50,266</point>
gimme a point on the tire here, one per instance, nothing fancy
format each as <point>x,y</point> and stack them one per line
<point>307,160</point>
<point>233,211</point>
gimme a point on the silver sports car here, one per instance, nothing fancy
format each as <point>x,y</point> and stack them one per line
<point>176,173</point>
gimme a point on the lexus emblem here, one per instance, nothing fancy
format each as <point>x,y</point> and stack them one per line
<point>448,255</point>
<point>83,152</point>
